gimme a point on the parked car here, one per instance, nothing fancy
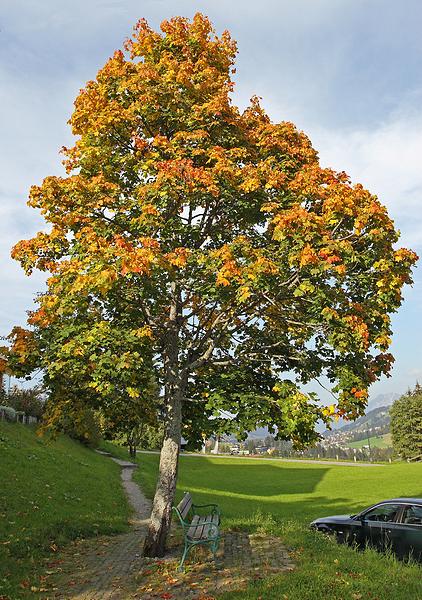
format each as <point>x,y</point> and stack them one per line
<point>395,524</point>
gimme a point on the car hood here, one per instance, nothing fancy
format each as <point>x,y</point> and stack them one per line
<point>333,519</point>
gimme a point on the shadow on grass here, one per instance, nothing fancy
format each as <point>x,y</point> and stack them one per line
<point>245,488</point>
<point>247,492</point>
<point>254,480</point>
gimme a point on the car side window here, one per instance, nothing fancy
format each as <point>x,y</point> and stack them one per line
<point>386,513</point>
<point>413,515</point>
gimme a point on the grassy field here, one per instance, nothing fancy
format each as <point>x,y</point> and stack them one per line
<point>282,498</point>
<point>382,441</point>
<point>50,493</point>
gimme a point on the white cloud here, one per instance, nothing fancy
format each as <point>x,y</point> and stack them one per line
<point>387,160</point>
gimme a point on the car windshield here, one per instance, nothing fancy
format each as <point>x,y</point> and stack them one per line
<point>384,512</point>
<point>366,511</point>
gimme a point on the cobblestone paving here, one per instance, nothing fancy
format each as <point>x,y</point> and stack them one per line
<point>242,558</point>
<point>112,568</point>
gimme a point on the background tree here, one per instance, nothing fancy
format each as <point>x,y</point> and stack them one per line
<point>73,416</point>
<point>93,369</point>
<point>406,424</point>
<point>31,401</point>
<point>210,249</point>
<point>134,420</point>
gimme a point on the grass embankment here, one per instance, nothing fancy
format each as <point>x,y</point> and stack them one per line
<point>50,492</point>
<point>282,498</point>
<point>380,441</point>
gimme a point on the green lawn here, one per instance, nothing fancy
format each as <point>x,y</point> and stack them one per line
<point>382,441</point>
<point>50,493</point>
<point>283,498</point>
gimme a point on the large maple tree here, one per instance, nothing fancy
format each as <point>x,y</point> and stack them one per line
<point>207,247</point>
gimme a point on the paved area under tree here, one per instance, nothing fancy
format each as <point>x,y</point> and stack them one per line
<point>112,568</point>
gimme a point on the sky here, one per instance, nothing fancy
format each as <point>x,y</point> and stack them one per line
<point>346,72</point>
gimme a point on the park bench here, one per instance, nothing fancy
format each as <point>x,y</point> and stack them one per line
<point>198,529</point>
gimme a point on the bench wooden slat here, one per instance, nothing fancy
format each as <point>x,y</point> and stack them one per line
<point>200,526</point>
<point>184,505</point>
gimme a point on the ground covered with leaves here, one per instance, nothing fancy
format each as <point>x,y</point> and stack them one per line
<point>112,568</point>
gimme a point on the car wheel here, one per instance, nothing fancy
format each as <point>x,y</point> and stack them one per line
<point>325,529</point>
<point>346,537</point>
<point>341,537</point>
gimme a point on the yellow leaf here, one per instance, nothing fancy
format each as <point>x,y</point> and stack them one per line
<point>244,293</point>
<point>221,280</point>
<point>144,331</point>
<point>133,392</point>
<point>329,410</point>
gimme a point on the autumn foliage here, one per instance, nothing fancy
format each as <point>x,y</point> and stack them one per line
<point>209,247</point>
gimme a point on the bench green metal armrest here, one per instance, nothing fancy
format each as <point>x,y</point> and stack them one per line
<point>215,508</point>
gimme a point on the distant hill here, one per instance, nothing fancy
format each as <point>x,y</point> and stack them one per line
<point>377,402</point>
<point>259,434</point>
<point>380,441</point>
<point>378,417</point>
<point>382,400</point>
<point>371,419</point>
<point>375,423</point>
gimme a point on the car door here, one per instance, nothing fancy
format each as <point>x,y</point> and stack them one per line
<point>393,533</point>
<point>377,522</point>
<point>409,532</point>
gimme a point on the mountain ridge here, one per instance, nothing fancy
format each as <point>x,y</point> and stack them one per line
<point>379,401</point>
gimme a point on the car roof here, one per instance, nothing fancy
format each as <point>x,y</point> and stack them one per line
<point>399,500</point>
<point>406,500</point>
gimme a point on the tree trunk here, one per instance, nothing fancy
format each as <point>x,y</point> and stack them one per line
<point>217,445</point>
<point>155,542</point>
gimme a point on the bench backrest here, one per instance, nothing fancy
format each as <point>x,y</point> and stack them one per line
<point>184,506</point>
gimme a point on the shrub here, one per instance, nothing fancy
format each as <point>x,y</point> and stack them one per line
<point>29,401</point>
<point>8,413</point>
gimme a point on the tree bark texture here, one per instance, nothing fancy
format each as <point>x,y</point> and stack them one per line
<point>155,542</point>
<point>159,526</point>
